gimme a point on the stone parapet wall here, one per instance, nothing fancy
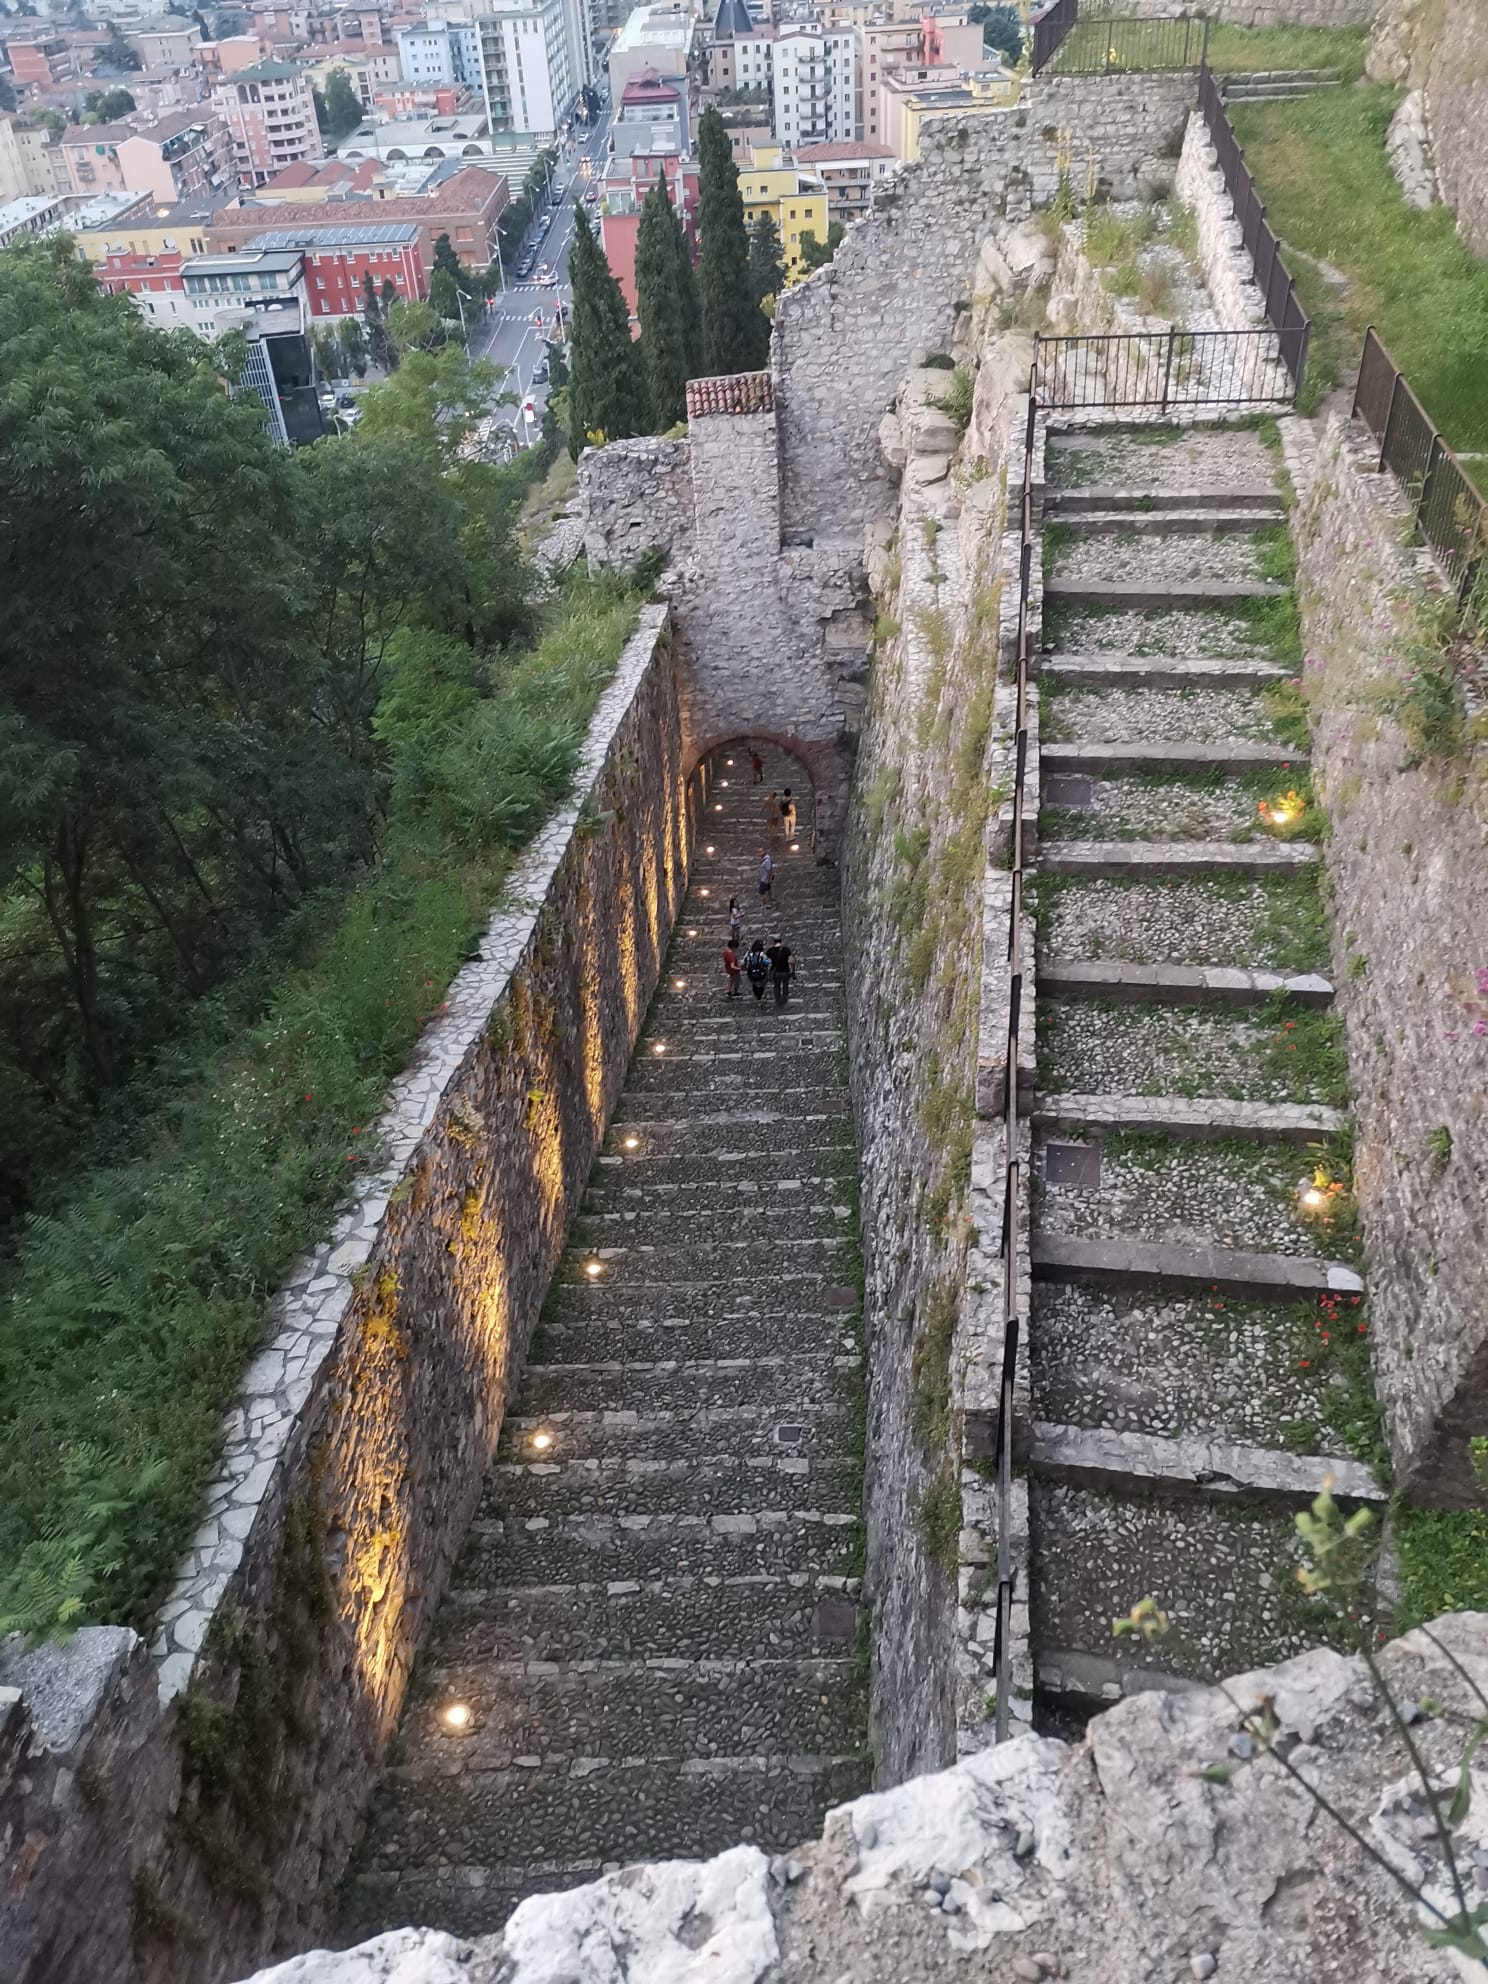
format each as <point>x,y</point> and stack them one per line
<point>1227,269</point>
<point>356,1456</point>
<point>892,294</point>
<point>1410,893</point>
<point>635,497</point>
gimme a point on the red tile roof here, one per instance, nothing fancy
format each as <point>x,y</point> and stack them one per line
<point>740,392</point>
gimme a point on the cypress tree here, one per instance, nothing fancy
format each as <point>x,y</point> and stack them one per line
<point>606,389</point>
<point>663,318</point>
<point>766,262</point>
<point>736,333</point>
<point>687,289</point>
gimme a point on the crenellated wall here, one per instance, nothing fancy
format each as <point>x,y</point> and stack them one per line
<point>208,1826</point>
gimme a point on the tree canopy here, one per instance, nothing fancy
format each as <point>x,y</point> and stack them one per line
<point>766,261</point>
<point>103,106</point>
<point>339,111</point>
<point>1002,29</point>
<point>736,332</point>
<point>606,388</point>
<point>666,306</point>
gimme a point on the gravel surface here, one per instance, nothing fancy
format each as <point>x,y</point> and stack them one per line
<point>1194,1193</point>
<point>1160,459</point>
<point>1175,558</point>
<point>1149,630</point>
<point>1069,715</point>
<point>1089,1049</point>
<point>1161,809</point>
<point>1201,1366</point>
<point>1200,920</point>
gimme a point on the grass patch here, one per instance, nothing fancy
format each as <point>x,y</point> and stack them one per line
<point>930,1368</point>
<point>1443,1555</point>
<point>938,1517</point>
<point>956,400</point>
<point>1319,162</point>
<point>1287,712</point>
<point>133,1307</point>
<point>1292,930</point>
<point>1306,1047</point>
<point>1233,50</point>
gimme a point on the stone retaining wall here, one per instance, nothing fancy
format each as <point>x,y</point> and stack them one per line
<point>1268,13</point>
<point>1410,921</point>
<point>188,1837</point>
<point>844,339</point>
<point>1225,266</point>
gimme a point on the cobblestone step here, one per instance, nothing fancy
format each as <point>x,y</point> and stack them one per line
<point>735,1329</point>
<point>1171,520</point>
<point>602,1548</point>
<point>588,1816</point>
<point>746,1483</point>
<point>1113,760</point>
<point>668,1159</point>
<point>822,1101</point>
<point>1176,857</point>
<point>755,1260</point>
<point>1261,500</point>
<point>649,1386</point>
<point>684,1618</point>
<point>644,1439</point>
<point>809,1292</point>
<point>755,1221</point>
<point>763,1068</point>
<point>1176,984</point>
<point>1160,671</point>
<point>1195,1465</point>
<point>1153,1264</point>
<point>1202,1117</point>
<point>1114,592</point>
<point>664,1710</point>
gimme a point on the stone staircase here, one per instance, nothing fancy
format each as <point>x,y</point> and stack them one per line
<point>1186,1394</point>
<point>652,1633</point>
<point>1276,85</point>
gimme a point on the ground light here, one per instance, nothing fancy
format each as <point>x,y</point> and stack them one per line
<point>632,1143</point>
<point>658,1047</point>
<point>679,984</point>
<point>594,1269</point>
<point>710,849</point>
<point>455,1715</point>
<point>541,1441</point>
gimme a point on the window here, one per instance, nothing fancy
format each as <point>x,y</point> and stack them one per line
<point>320,282</point>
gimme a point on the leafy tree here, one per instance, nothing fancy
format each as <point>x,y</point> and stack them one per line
<point>339,111</point>
<point>607,393</point>
<point>816,254</point>
<point>1002,29</point>
<point>117,53</point>
<point>380,347</point>
<point>51,121</point>
<point>353,347</point>
<point>766,262</point>
<point>445,300</point>
<point>7,94</point>
<point>465,280</point>
<point>666,330</point>
<point>736,332</point>
<point>103,106</point>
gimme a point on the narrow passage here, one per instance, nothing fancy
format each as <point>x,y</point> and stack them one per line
<point>652,1629</point>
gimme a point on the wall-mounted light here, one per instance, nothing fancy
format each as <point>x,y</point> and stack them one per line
<point>692,932</point>
<point>723,782</point>
<point>718,806</point>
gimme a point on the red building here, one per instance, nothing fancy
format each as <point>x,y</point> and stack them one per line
<point>337,259</point>
<point>626,184</point>
<point>140,275</point>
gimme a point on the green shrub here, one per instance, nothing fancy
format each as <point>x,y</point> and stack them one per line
<point>957,398</point>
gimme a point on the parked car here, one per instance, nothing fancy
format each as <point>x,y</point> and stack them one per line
<point>524,268</point>
<point>540,373</point>
<point>546,277</point>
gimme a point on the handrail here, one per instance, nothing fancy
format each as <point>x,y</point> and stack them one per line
<point>1006,1576</point>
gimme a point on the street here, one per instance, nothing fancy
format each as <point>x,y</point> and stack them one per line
<point>508,335</point>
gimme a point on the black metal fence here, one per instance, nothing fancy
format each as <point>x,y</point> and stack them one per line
<point>1272,278</point>
<point>1162,371</point>
<point>1068,43</point>
<point>1450,513</point>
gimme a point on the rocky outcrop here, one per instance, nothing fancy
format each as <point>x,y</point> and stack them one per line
<point>1408,148</point>
<point>1170,1845</point>
<point>1440,49</point>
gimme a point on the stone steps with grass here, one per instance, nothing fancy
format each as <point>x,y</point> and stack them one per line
<point>1186,1397</point>
<point>651,1631</point>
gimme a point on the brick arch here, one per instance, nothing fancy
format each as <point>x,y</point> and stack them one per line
<point>826,765</point>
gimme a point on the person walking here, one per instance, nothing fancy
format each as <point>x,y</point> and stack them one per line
<point>757,969</point>
<point>736,922</point>
<point>766,874</point>
<point>788,815</point>
<point>772,817</point>
<point>781,974</point>
<point>731,967</point>
<point>759,765</point>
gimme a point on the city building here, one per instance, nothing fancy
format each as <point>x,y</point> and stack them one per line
<point>338,259</point>
<point>133,223</point>
<point>270,115</point>
<point>651,117</point>
<point>325,179</point>
<point>42,60</point>
<point>162,44</point>
<point>466,205</point>
<point>530,69</point>
<point>907,97</point>
<point>740,52</point>
<point>849,171</point>
<point>26,152</point>
<point>626,184</point>
<point>657,37</point>
<point>796,201</point>
<point>462,134</point>
<point>279,370</point>
<point>184,155</point>
<point>814,85</point>
<point>370,71</point>
<point>437,51</point>
<point>32,213</point>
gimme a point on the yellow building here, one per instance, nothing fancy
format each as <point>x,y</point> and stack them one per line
<point>795,201</point>
<point>907,97</point>
<point>149,229</point>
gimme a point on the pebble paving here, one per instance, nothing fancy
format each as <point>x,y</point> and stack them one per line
<point>1174,558</point>
<point>652,1625</point>
<point>1196,1368</point>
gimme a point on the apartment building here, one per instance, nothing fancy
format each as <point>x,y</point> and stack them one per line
<point>338,260</point>
<point>184,155</point>
<point>849,171</point>
<point>529,75</point>
<point>797,203</point>
<point>438,51</point>
<point>657,37</point>
<point>270,116</point>
<point>814,85</point>
<point>44,60</point>
<point>165,44</point>
<point>467,206</point>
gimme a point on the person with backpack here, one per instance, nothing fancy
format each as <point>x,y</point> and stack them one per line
<point>757,969</point>
<point>781,974</point>
<point>731,966</point>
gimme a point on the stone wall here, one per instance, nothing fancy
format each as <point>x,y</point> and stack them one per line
<point>210,1829</point>
<point>1409,880</point>
<point>844,339</point>
<point>1441,47</point>
<point>1170,1845</point>
<point>1269,13</point>
<point>1226,268</point>
<point>635,497</point>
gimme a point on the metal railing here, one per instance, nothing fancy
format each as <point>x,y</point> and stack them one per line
<point>1012,1329</point>
<point>1067,43</point>
<point>1162,371</point>
<point>1273,279</point>
<point>1450,514</point>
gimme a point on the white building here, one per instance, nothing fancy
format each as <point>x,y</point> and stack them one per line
<point>530,76</point>
<point>814,85</point>
<point>441,52</point>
